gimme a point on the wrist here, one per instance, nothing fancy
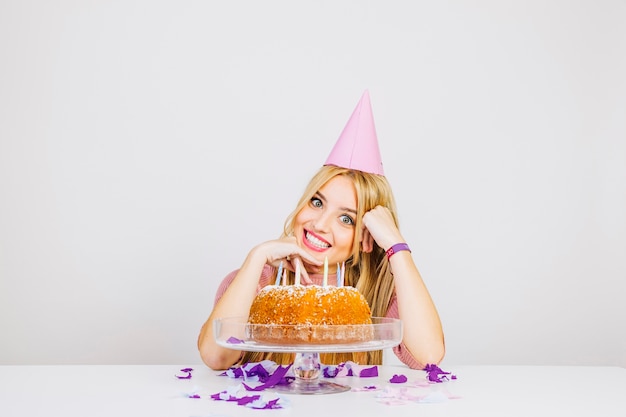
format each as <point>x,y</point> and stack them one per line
<point>398,247</point>
<point>258,256</point>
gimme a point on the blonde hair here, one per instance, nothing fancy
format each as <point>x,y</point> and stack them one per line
<point>368,272</point>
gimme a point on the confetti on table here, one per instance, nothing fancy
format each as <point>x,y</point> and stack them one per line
<point>276,378</point>
<point>436,374</point>
<point>239,395</point>
<point>398,379</point>
<point>187,371</point>
<point>365,388</point>
<point>405,395</point>
<point>350,368</point>
<point>259,376</point>
<point>194,393</point>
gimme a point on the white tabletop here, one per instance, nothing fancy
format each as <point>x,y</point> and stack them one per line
<point>143,390</point>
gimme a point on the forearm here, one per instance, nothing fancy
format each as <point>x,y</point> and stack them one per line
<point>235,302</point>
<point>423,334</point>
<point>238,297</point>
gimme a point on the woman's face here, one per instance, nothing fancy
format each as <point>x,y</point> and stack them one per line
<point>326,226</point>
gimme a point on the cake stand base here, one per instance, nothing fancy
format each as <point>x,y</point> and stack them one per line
<point>307,369</point>
<point>311,388</point>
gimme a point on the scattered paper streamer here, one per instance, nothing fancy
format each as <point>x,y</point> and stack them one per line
<point>187,371</point>
<point>259,376</point>
<point>240,395</point>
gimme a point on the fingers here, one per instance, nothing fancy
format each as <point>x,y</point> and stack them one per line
<point>379,227</point>
<point>367,241</point>
<point>286,250</point>
<point>290,263</point>
<point>305,276</point>
<point>307,258</point>
<point>295,251</point>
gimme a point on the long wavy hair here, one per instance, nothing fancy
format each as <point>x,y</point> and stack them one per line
<point>368,272</point>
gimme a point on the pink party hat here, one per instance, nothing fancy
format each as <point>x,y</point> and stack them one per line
<point>357,146</point>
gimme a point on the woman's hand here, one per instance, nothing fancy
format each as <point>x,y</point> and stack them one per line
<point>379,226</point>
<point>287,251</point>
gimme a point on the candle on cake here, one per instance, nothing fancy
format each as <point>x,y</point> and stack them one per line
<point>325,283</point>
<point>297,271</point>
<point>343,273</point>
<point>279,273</point>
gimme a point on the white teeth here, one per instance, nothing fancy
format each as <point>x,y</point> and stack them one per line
<point>316,242</point>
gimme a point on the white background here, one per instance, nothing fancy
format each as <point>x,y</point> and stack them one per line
<point>146,146</point>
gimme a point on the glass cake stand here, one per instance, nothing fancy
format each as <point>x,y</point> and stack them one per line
<point>307,342</point>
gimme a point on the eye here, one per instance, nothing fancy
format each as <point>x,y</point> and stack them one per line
<point>345,219</point>
<point>316,202</point>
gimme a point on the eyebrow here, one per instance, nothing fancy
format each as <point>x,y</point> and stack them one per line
<point>320,195</point>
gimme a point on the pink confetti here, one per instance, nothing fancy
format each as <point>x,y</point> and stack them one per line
<point>234,341</point>
<point>395,396</point>
<point>419,383</point>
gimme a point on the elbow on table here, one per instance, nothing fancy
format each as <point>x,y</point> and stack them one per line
<point>436,353</point>
<point>212,355</point>
<point>218,361</point>
<point>434,357</point>
<point>213,362</point>
<point>419,359</point>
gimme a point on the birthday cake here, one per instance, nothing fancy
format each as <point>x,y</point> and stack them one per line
<point>296,314</point>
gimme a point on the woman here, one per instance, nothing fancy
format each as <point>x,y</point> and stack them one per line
<point>346,214</point>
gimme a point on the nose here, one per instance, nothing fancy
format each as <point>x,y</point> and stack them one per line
<point>322,222</point>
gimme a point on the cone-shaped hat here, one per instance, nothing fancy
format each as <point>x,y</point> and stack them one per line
<point>357,146</point>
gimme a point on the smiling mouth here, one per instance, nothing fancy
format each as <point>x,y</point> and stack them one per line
<point>315,242</point>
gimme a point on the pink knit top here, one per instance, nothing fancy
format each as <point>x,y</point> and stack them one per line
<point>268,277</point>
